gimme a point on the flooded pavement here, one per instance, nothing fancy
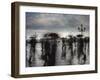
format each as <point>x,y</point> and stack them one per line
<point>62,56</point>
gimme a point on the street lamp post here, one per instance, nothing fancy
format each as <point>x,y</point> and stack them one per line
<point>81,29</point>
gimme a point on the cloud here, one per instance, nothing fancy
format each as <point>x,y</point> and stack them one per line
<point>56,22</point>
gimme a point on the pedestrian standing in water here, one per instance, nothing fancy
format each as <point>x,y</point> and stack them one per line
<point>32,42</point>
<point>63,48</point>
<point>53,53</point>
<point>47,52</point>
<point>80,46</point>
<point>70,48</point>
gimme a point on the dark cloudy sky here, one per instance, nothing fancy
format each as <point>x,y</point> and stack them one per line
<point>56,22</point>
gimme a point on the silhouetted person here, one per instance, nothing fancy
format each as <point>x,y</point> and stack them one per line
<point>50,47</point>
<point>32,42</point>
<point>86,48</point>
<point>80,47</point>
<point>63,47</point>
<point>53,53</point>
<point>70,44</point>
<point>42,46</point>
<point>47,52</point>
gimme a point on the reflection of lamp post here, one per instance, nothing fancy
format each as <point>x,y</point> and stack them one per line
<point>81,29</point>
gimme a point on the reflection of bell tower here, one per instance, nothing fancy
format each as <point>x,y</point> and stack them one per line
<point>81,29</point>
